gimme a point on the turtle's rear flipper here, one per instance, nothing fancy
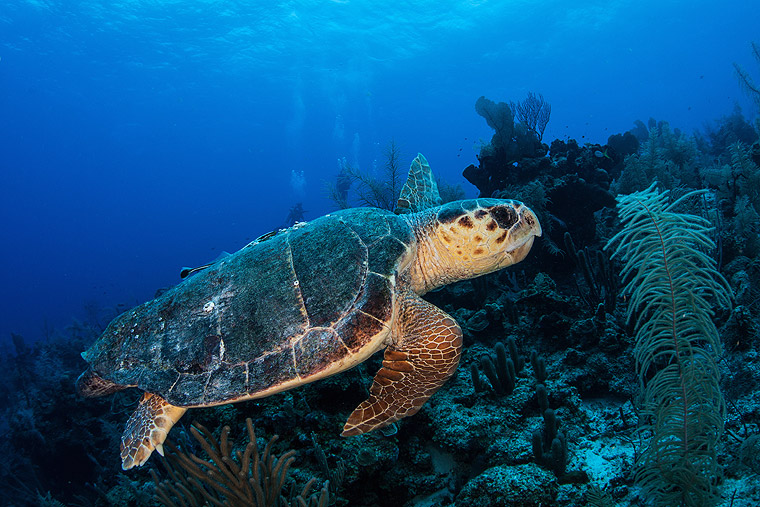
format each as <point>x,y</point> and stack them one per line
<point>146,429</point>
<point>90,385</point>
<point>414,369</point>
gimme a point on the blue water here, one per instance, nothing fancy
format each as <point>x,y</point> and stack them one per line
<point>137,137</point>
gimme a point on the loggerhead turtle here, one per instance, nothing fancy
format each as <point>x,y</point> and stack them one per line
<point>304,303</point>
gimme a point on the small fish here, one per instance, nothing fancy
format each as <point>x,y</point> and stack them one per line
<point>600,154</point>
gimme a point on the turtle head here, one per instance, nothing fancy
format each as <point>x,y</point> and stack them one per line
<point>465,239</point>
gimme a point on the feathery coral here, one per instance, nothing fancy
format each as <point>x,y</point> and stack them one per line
<point>674,287</point>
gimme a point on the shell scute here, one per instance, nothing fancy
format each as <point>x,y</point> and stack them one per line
<point>270,369</point>
<point>370,315</point>
<point>266,307</point>
<point>385,254</point>
<point>368,224</point>
<point>358,329</point>
<point>332,256</point>
<point>317,350</point>
<point>188,390</point>
<point>225,380</point>
<point>160,379</point>
<point>376,298</point>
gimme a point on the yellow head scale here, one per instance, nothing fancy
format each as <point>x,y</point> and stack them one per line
<point>470,238</point>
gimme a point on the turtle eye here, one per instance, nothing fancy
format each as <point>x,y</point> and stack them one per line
<point>505,215</point>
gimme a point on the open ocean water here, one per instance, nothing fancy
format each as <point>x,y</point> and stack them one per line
<point>138,137</point>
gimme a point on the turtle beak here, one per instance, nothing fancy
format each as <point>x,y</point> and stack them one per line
<point>520,252</point>
<point>528,222</point>
<point>522,234</point>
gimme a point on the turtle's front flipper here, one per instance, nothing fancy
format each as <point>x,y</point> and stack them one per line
<point>146,429</point>
<point>413,369</point>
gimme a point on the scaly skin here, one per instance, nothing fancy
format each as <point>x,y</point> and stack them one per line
<point>423,358</point>
<point>146,430</point>
<point>454,244</point>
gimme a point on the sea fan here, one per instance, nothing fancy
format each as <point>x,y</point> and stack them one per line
<point>674,287</point>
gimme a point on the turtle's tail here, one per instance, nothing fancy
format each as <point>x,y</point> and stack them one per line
<point>91,385</point>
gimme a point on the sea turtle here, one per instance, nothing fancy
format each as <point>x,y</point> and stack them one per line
<point>304,303</point>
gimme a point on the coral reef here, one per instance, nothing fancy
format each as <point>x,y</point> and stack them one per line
<point>668,156</point>
<point>564,307</point>
<point>512,143</point>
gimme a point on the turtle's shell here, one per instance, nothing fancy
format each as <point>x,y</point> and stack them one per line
<point>280,311</point>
